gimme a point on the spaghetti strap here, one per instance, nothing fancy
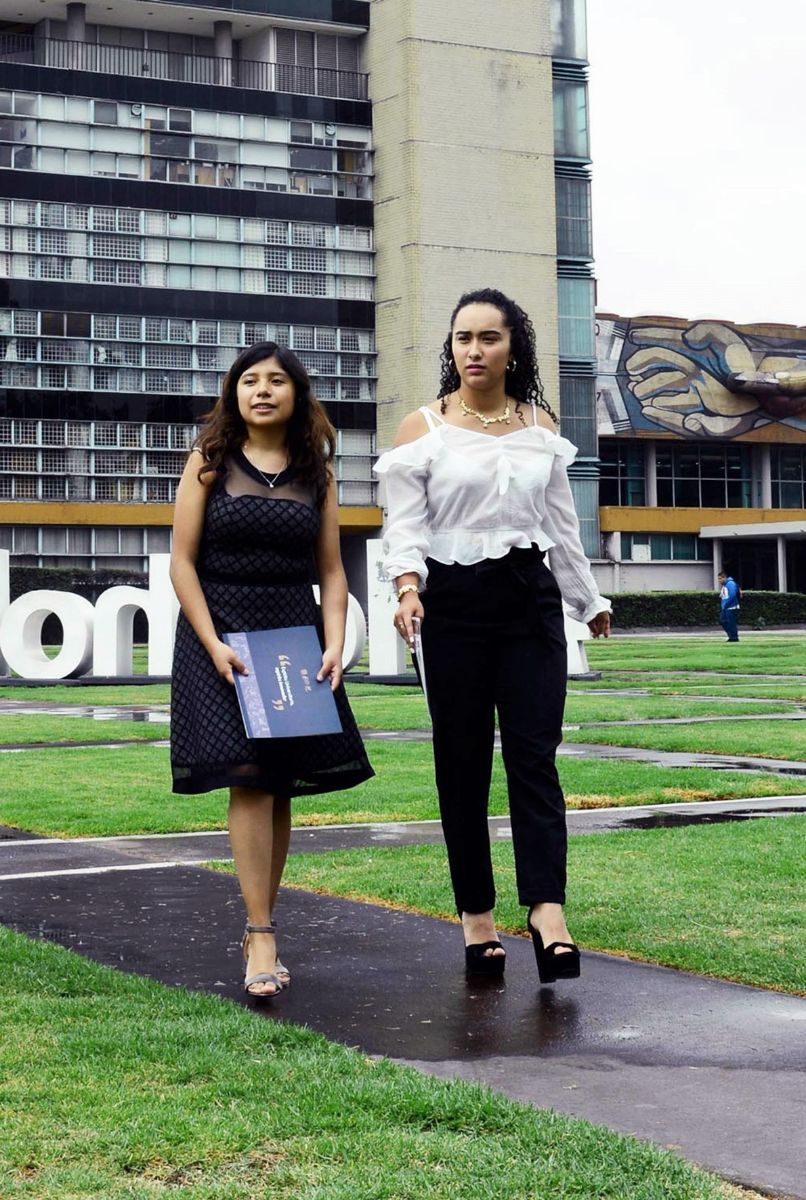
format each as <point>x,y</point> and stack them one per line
<point>432,419</point>
<point>534,413</point>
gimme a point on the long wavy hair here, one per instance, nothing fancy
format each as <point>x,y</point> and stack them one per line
<point>310,437</point>
<point>523,382</point>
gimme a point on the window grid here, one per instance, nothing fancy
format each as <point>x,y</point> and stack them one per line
<point>788,471</point>
<point>622,479</point>
<point>715,476</point>
<point>219,253</point>
<point>666,547</point>
<point>129,462</point>
<point>158,355</point>
<point>206,148</point>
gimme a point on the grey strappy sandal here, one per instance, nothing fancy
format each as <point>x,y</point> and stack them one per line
<point>282,973</point>
<point>260,976</point>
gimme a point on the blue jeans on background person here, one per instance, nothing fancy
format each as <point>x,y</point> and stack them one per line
<point>729,620</point>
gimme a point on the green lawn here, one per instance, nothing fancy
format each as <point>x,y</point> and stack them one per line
<point>755,654</point>
<point>681,683</point>
<point>724,900</point>
<point>101,792</point>
<point>56,693</point>
<point>410,711</point>
<point>118,1088</point>
<point>751,739</point>
<point>19,730</point>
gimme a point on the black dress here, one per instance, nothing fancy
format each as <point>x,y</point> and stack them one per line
<point>256,567</point>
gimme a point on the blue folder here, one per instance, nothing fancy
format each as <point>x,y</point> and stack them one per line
<point>281,696</point>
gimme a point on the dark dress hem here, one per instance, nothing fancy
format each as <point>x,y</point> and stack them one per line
<point>210,782</point>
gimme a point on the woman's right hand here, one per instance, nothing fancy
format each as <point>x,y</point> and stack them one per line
<point>226,662</point>
<point>408,610</point>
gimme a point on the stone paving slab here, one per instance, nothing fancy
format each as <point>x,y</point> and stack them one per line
<point>711,1068</point>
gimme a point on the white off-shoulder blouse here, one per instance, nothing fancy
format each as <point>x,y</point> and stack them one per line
<point>460,495</point>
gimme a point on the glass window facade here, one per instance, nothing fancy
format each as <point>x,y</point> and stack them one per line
<point>152,248</point>
<point>123,462</point>
<point>578,413</point>
<point>665,547</point>
<point>571,138</point>
<point>105,352</point>
<point>575,300</point>
<point>707,476</point>
<point>622,481</point>
<point>574,231</point>
<point>157,143</point>
<point>568,29</point>
<point>788,471</point>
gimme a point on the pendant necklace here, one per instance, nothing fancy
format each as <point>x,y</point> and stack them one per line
<point>270,480</point>
<point>471,412</point>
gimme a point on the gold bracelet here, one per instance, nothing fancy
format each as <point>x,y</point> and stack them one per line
<point>407,587</point>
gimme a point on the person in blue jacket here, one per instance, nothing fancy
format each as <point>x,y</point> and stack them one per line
<point>729,598</point>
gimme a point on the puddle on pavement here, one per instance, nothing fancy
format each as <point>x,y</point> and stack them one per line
<point>150,715</point>
<point>674,820</point>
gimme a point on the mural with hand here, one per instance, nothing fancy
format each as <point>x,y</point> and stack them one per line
<point>703,379</point>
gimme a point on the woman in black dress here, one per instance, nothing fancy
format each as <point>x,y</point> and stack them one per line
<point>256,521</point>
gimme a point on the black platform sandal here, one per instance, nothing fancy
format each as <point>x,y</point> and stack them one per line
<point>479,962</point>
<point>552,966</point>
<point>260,976</point>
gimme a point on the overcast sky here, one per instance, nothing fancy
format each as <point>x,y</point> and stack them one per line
<point>698,139</point>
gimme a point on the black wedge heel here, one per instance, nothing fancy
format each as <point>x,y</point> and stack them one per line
<point>552,966</point>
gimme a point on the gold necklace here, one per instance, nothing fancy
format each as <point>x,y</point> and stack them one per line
<point>471,412</point>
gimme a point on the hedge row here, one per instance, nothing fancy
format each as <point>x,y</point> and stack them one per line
<point>81,580</point>
<point>630,609</point>
<point>657,609</point>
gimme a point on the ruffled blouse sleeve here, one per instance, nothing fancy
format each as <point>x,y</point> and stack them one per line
<point>569,563</point>
<point>406,535</point>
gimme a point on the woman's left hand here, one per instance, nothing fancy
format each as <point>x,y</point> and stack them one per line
<point>331,668</point>
<point>600,625</point>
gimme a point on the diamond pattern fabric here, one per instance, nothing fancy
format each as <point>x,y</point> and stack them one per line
<point>256,567</point>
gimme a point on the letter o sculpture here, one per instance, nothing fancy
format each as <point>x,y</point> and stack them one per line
<point>21,635</point>
<point>355,633</point>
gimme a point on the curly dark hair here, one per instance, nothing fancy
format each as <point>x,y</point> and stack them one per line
<point>310,436</point>
<point>523,380</point>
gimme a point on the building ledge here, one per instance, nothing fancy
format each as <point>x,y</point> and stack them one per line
<point>614,519</point>
<point>352,519</point>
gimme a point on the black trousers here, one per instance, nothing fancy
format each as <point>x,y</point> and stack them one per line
<point>493,639</point>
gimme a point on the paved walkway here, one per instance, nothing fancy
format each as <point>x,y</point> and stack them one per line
<point>24,857</point>
<point>710,1068</point>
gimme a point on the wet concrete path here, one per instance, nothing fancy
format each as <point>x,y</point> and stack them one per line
<point>25,856</point>
<point>710,1068</point>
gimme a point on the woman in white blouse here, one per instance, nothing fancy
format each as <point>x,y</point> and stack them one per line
<point>477,492</point>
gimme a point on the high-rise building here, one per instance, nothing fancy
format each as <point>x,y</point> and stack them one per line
<point>178,180</point>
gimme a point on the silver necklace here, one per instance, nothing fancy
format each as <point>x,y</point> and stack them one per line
<point>269,480</point>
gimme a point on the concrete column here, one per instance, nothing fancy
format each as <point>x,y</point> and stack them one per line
<point>222,46</point>
<point>650,476</point>
<point>783,583</point>
<point>222,39</point>
<point>765,476</point>
<point>76,22</point>
<point>464,181</point>
<point>717,560</point>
